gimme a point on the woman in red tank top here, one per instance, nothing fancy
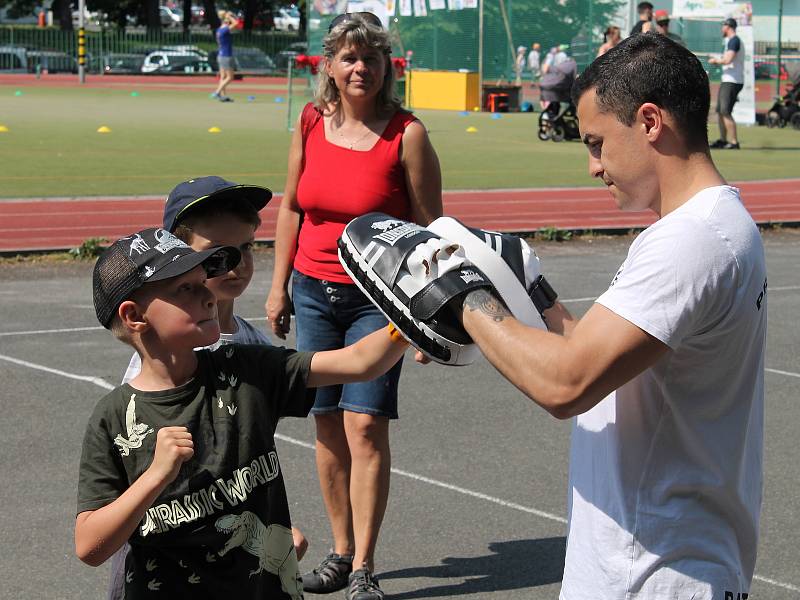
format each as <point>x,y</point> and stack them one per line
<point>354,151</point>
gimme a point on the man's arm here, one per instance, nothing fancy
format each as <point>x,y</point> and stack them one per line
<point>368,358</point>
<point>565,374</point>
<point>725,59</point>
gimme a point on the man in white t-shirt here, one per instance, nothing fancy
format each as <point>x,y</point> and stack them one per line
<point>732,61</point>
<point>664,373</point>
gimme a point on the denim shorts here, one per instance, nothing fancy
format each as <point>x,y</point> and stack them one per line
<point>331,315</point>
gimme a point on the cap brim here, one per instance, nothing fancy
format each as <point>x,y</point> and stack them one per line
<point>256,195</point>
<point>216,261</point>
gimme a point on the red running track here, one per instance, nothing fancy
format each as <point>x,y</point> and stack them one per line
<point>61,223</point>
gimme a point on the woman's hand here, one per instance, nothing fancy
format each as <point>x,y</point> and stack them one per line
<point>279,312</point>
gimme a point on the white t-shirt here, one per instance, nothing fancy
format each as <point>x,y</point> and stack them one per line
<point>734,71</point>
<point>245,334</point>
<point>666,472</point>
<point>533,61</point>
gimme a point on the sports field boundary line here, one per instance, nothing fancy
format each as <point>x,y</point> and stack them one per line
<point>478,495</point>
<point>32,332</point>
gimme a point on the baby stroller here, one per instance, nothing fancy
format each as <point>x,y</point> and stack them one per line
<point>559,120</point>
<point>786,109</point>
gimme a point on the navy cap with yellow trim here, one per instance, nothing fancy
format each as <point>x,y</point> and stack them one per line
<point>190,194</point>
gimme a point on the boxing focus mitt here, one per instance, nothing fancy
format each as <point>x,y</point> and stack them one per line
<point>417,279</point>
<point>510,264</point>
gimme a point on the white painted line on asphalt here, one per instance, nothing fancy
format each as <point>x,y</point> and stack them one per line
<point>479,495</point>
<point>787,586</point>
<point>95,380</point>
<point>787,373</point>
<point>41,331</point>
<point>98,328</point>
<point>447,486</point>
<point>539,513</point>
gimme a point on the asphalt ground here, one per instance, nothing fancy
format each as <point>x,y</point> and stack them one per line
<point>477,506</point>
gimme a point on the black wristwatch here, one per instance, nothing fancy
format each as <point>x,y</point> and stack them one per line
<point>542,294</point>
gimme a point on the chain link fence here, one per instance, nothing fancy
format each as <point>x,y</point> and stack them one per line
<point>32,49</point>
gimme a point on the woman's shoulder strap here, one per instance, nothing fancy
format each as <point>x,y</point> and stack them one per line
<point>310,116</point>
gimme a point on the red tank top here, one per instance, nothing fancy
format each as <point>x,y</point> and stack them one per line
<point>338,184</point>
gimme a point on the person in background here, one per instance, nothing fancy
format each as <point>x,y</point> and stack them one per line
<point>645,22</point>
<point>732,62</point>
<point>662,27</point>
<point>534,61</point>
<point>611,37</point>
<point>519,64</point>
<point>354,151</point>
<point>225,54</point>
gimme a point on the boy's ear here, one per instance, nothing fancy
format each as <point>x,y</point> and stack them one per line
<point>132,316</point>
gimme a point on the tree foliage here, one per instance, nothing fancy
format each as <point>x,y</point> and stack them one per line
<point>449,39</point>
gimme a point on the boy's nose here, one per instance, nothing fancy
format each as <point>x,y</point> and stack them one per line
<point>209,299</point>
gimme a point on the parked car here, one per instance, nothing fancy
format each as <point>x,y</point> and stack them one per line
<point>248,61</point>
<point>170,17</point>
<point>91,19</point>
<point>198,15</point>
<point>13,59</point>
<point>160,60</point>
<point>51,61</point>
<point>283,57</point>
<point>184,64</point>
<point>121,64</point>
<point>287,19</point>
<point>26,19</point>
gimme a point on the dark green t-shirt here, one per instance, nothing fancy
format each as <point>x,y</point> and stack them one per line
<point>222,527</point>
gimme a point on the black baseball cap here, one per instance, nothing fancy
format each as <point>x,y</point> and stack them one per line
<point>730,22</point>
<point>189,194</point>
<point>150,255</point>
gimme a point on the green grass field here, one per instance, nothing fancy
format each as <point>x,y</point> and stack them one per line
<point>159,138</point>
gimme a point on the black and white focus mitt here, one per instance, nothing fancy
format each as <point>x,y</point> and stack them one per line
<point>510,264</point>
<point>417,279</point>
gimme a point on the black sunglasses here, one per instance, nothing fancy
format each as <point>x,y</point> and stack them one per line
<point>370,18</point>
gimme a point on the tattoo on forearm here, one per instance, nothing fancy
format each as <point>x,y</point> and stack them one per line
<point>485,302</point>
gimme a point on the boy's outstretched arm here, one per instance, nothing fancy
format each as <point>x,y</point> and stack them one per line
<point>367,359</point>
<point>99,533</point>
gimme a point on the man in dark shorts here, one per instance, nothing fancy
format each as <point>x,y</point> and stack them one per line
<point>645,22</point>
<point>732,61</point>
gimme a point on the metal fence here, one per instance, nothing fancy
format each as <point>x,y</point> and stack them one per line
<point>31,49</point>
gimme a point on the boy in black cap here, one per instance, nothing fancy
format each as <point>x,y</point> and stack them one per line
<point>206,212</point>
<point>181,462</point>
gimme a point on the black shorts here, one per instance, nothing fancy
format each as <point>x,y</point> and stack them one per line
<point>727,96</point>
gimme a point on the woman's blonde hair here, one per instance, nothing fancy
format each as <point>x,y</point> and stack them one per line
<point>357,32</point>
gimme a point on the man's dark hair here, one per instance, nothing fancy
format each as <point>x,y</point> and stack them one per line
<point>651,68</point>
<point>643,6</point>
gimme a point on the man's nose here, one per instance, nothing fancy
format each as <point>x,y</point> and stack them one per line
<point>595,167</point>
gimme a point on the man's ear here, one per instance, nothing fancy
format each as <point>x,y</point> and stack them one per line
<point>132,316</point>
<point>651,118</point>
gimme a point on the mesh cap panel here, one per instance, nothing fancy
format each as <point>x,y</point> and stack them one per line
<point>115,278</point>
